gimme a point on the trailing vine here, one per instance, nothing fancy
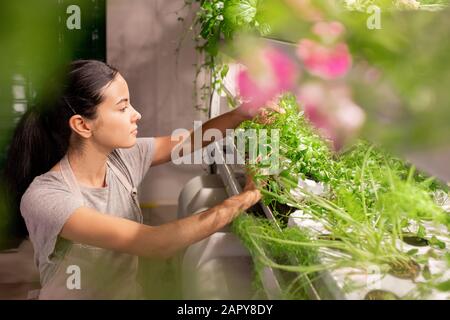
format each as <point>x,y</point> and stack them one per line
<point>216,22</point>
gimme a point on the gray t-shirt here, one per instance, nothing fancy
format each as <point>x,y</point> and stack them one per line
<point>48,203</point>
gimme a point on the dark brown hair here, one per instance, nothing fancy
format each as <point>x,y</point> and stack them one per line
<point>42,135</point>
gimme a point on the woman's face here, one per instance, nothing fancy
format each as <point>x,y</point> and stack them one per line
<point>116,122</point>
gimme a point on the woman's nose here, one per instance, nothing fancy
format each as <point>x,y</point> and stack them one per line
<point>136,116</point>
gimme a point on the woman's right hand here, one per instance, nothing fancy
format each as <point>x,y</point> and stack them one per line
<point>249,184</point>
<point>251,192</point>
<point>235,205</point>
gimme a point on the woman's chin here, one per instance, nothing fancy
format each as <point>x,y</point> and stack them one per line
<point>130,143</point>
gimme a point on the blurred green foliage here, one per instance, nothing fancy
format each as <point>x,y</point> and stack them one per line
<point>407,102</point>
<point>36,45</point>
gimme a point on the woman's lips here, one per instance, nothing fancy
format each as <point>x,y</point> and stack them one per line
<point>135,131</point>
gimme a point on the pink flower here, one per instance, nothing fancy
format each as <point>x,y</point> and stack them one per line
<point>322,61</point>
<point>328,31</point>
<point>331,110</point>
<point>270,74</point>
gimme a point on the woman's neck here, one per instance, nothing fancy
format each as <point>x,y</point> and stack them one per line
<point>89,166</point>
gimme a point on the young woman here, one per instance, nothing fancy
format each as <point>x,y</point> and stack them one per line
<point>75,166</point>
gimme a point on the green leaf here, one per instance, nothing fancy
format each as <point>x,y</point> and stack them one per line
<point>437,243</point>
<point>240,12</point>
<point>444,286</point>
<point>421,232</point>
<point>426,273</point>
<point>447,257</point>
<point>224,71</point>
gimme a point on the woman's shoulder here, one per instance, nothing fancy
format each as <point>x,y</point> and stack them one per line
<point>48,189</point>
<point>50,180</point>
<point>51,177</point>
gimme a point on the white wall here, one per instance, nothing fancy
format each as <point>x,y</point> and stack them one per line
<point>142,37</point>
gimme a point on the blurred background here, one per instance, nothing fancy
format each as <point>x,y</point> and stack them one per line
<point>393,77</point>
<point>150,43</point>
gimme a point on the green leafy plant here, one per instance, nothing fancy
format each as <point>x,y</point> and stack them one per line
<point>374,200</point>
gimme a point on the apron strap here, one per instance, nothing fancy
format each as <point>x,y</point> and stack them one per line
<point>69,177</point>
<point>130,188</point>
<point>122,178</point>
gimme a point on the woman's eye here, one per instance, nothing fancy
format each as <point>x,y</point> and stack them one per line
<point>124,108</point>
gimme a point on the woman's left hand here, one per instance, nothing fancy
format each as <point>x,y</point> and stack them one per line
<point>263,113</point>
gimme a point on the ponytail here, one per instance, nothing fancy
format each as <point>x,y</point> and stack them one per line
<point>42,135</point>
<point>32,152</point>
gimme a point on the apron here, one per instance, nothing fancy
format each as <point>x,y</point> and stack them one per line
<point>103,274</point>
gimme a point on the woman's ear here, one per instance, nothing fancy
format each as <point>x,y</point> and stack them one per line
<point>81,126</point>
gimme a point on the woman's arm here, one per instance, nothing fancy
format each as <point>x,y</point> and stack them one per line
<point>230,120</point>
<point>164,145</point>
<point>88,226</point>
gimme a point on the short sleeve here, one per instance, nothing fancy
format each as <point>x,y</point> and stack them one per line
<point>139,158</point>
<point>45,207</point>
